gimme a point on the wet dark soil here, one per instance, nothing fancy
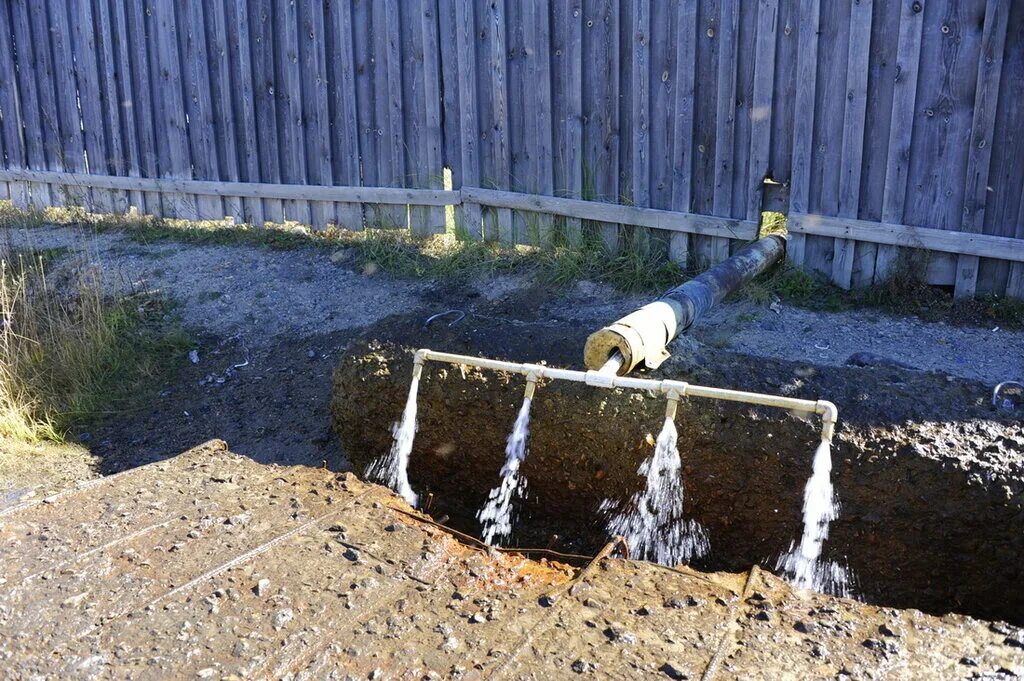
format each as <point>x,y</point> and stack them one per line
<point>931,479</point>
<point>272,409</point>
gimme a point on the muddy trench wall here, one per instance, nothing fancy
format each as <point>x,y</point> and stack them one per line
<point>932,507</point>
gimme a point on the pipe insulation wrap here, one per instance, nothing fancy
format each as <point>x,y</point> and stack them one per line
<point>643,336</point>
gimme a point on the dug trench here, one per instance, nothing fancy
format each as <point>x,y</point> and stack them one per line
<point>929,477</point>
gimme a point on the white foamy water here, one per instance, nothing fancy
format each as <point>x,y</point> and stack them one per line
<point>802,564</point>
<point>653,522</point>
<point>497,514</point>
<point>392,469</point>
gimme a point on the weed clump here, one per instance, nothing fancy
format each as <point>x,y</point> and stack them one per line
<point>68,351</point>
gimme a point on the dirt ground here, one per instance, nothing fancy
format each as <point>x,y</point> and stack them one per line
<point>270,326</point>
<point>209,566</point>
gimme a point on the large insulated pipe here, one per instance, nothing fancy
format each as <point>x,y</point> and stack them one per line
<point>644,335</point>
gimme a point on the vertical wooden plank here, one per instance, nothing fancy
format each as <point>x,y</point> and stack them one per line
<point>220,34</point>
<point>569,25</point>
<point>1015,280</point>
<point>261,42</point>
<point>878,120</point>
<point>683,125</point>
<point>725,121</point>
<point>803,120</point>
<point>519,117</point>
<point>45,76</point>
<point>110,102</point>
<point>125,102</point>
<point>537,35</point>
<point>89,88</point>
<point>640,156</point>
<point>826,155</point>
<point>387,106</point>
<point>172,137</point>
<point>600,109</point>
<point>853,136</point>
<point>70,154</point>
<point>28,101</point>
<point>313,64</point>
<point>705,123</point>
<point>14,146</point>
<point>344,117</point>
<point>990,68</point>
<point>244,111</point>
<point>500,150</point>
<point>288,89</point>
<point>1006,171</point>
<point>370,135</point>
<point>142,117</point>
<point>430,220</point>
<point>469,136</point>
<point>196,79</point>
<point>908,53</point>
<point>761,106</point>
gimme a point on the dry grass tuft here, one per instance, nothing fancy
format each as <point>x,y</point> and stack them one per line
<point>68,351</point>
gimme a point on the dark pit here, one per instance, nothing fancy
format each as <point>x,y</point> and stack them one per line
<point>930,477</point>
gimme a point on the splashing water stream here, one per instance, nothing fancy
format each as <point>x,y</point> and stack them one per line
<point>496,515</point>
<point>802,564</point>
<point>653,522</point>
<point>393,468</point>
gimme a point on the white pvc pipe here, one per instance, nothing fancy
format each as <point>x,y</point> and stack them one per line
<point>673,389</point>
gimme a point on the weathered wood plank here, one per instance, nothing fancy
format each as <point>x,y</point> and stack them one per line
<point>803,121</point>
<point>125,102</point>
<point>14,147</point>
<point>313,67</point>
<point>261,43</point>
<point>196,79</point>
<point>345,150</point>
<point>908,54</point>
<point>139,114</point>
<point>28,100</point>
<point>1015,280</point>
<point>293,192</point>
<point>640,113</point>
<point>220,33</point>
<point>370,135</point>
<point>858,55</point>
<point>247,163</point>
<point>653,218</point>
<point>110,101</point>
<point>395,138</point>
<point>725,121</point>
<point>600,109</point>
<point>172,139</point>
<point>569,29</point>
<point>288,91</point>
<point>761,106</point>
<point>431,166</point>
<point>470,224</point>
<point>48,115</point>
<point>539,117</point>
<point>683,128</point>
<point>829,104</point>
<point>979,156</point>
<point>387,99</point>
<point>71,146</point>
<point>947,241</point>
<point>87,73</point>
<point>500,172</point>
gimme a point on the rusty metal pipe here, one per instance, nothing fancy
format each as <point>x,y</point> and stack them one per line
<point>643,336</point>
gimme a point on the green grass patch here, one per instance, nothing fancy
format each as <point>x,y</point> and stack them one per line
<point>69,354</point>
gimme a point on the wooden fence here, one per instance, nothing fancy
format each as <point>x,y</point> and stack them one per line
<point>877,125</point>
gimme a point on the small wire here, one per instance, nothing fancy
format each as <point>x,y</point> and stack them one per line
<point>460,313</point>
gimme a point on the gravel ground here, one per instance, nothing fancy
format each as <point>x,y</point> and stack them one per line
<point>257,294</point>
<point>291,313</point>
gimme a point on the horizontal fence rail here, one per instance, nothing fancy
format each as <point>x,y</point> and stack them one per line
<point>881,128</point>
